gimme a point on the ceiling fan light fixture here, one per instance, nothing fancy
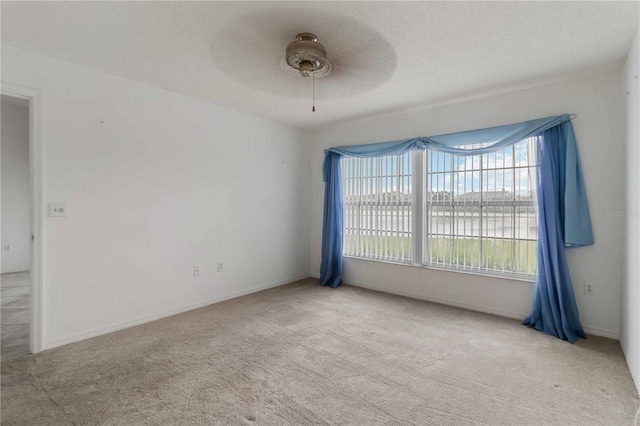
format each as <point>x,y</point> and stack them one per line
<point>306,68</point>
<point>306,55</point>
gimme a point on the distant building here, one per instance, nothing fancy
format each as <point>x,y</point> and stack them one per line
<point>439,196</point>
<point>391,197</point>
<point>486,196</point>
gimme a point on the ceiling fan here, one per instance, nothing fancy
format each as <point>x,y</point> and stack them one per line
<point>307,56</point>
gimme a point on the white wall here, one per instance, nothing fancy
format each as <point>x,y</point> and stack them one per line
<point>157,183</point>
<point>596,101</point>
<point>630,323</point>
<point>15,188</point>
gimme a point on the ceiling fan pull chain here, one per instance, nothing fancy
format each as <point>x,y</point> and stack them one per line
<point>313,90</point>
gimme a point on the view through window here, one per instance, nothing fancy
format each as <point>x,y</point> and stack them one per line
<point>378,207</point>
<point>470,213</point>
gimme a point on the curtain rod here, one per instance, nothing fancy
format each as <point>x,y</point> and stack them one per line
<point>572,116</point>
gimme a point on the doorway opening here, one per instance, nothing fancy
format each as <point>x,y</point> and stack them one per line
<point>15,179</point>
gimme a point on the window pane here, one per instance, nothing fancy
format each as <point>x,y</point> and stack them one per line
<point>378,207</point>
<point>480,213</point>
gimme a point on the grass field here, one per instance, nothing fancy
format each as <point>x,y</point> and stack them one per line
<point>514,256</point>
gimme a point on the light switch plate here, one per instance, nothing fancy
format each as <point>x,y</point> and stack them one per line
<point>58,210</point>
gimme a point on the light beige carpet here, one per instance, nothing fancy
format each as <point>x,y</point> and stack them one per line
<point>303,354</point>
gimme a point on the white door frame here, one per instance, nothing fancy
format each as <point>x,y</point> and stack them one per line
<point>36,274</point>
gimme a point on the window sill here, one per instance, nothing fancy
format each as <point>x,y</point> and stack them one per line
<point>514,277</point>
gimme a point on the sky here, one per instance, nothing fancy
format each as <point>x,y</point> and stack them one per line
<point>457,174</point>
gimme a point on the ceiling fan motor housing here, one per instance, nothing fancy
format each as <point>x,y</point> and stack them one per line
<point>307,55</point>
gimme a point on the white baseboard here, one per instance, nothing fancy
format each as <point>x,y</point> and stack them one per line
<point>634,376</point>
<point>148,318</point>
<point>623,345</point>
<point>594,331</point>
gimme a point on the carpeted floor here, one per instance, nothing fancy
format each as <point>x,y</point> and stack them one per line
<point>303,354</point>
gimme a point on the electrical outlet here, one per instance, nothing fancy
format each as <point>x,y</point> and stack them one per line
<point>220,266</point>
<point>588,289</point>
<point>196,271</point>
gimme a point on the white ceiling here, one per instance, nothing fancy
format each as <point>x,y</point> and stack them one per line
<point>387,56</point>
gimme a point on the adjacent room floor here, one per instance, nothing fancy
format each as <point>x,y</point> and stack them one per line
<point>304,354</point>
<point>14,310</point>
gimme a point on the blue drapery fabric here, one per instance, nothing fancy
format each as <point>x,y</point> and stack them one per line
<point>554,309</point>
<point>566,220</point>
<point>331,266</point>
<point>492,139</point>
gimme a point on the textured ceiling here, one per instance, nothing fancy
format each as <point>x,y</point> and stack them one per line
<point>387,56</point>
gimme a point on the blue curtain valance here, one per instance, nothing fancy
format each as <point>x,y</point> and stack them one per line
<point>492,139</point>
